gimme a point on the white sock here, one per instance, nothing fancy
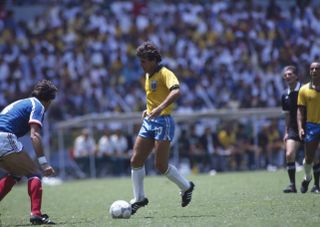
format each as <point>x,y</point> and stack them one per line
<point>137,176</point>
<point>173,175</point>
<point>307,170</point>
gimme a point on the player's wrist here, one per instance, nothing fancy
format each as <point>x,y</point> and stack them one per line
<point>42,160</point>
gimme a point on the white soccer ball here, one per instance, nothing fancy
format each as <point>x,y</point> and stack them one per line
<point>120,209</point>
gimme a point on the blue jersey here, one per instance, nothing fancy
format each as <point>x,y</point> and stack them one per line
<point>17,116</point>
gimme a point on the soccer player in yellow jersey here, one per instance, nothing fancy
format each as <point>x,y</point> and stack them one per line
<point>308,116</point>
<point>157,130</point>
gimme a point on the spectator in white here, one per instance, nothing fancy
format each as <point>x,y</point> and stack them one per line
<point>104,145</point>
<point>84,146</point>
<point>105,154</point>
<point>119,144</point>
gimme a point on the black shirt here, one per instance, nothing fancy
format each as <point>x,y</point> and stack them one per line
<point>289,102</point>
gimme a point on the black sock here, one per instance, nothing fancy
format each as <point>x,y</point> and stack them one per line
<point>316,173</point>
<point>291,167</point>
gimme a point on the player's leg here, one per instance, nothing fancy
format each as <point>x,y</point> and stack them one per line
<point>316,173</point>
<point>310,148</point>
<point>15,171</point>
<point>20,164</point>
<point>35,194</point>
<point>26,167</point>
<point>292,147</point>
<point>6,184</point>
<point>163,136</point>
<point>141,150</point>
<point>162,149</point>
<point>8,145</point>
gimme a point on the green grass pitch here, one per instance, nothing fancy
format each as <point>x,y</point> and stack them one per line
<point>230,199</point>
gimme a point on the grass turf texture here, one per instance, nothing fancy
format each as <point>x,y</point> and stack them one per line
<point>231,199</point>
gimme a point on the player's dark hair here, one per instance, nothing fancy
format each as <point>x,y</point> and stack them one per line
<point>149,51</point>
<point>291,68</point>
<point>44,90</point>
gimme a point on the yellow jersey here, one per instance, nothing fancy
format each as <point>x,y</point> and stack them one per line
<point>310,98</point>
<point>227,139</point>
<point>157,87</point>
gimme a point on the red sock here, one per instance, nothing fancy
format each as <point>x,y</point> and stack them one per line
<point>6,183</point>
<point>35,193</point>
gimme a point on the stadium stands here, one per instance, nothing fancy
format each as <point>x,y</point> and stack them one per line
<point>227,54</point>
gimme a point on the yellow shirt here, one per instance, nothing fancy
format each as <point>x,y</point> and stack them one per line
<point>226,139</point>
<point>310,98</point>
<point>157,89</point>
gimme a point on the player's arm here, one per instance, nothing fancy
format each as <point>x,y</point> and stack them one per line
<point>172,96</point>
<point>301,120</point>
<point>286,111</point>
<point>287,120</point>
<point>36,139</point>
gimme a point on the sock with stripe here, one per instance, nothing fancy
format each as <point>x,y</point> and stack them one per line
<point>291,168</point>
<point>35,194</point>
<point>6,184</point>
<point>316,173</point>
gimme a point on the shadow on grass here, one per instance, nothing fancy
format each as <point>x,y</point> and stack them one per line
<point>193,216</point>
<point>183,216</point>
<point>57,223</point>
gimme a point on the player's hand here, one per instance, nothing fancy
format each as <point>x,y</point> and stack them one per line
<point>154,113</point>
<point>47,170</point>
<point>301,134</point>
<point>285,137</point>
<point>144,114</point>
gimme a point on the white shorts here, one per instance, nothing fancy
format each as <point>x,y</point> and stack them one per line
<point>9,143</point>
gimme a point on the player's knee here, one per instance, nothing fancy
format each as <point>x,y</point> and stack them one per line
<point>16,178</point>
<point>289,156</point>
<point>34,175</point>
<point>161,167</point>
<point>135,162</point>
<point>308,158</point>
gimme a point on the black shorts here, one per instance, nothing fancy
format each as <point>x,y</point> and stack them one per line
<point>293,134</point>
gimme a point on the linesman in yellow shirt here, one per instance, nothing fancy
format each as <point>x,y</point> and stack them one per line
<point>162,89</point>
<point>308,116</point>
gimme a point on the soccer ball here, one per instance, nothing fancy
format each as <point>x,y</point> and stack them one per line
<point>120,209</point>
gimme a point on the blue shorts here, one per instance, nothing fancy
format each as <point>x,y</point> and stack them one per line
<point>312,132</point>
<point>160,128</point>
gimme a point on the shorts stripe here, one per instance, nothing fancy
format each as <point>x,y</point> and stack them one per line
<point>167,136</point>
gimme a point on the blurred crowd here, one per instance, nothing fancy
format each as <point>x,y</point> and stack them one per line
<point>226,53</point>
<point>197,149</point>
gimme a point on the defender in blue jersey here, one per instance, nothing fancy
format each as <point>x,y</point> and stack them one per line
<point>16,120</point>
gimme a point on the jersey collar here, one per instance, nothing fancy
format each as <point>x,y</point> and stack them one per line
<point>157,70</point>
<point>295,89</point>
<point>313,88</point>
